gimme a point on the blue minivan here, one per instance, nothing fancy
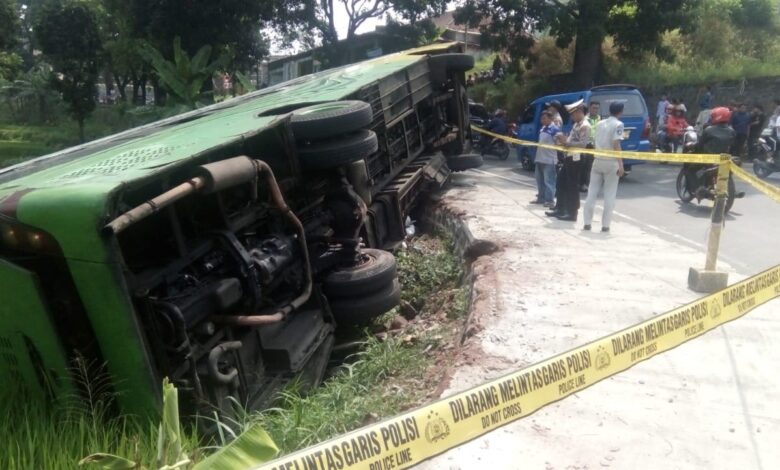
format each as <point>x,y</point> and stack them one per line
<point>636,118</point>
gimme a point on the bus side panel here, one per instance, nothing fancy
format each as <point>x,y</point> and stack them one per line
<point>31,356</point>
<point>100,286</point>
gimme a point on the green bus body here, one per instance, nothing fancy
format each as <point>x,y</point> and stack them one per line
<point>53,210</point>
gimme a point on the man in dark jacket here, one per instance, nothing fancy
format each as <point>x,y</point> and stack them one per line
<point>718,138</point>
<point>757,123</point>
<point>740,121</point>
<point>497,125</point>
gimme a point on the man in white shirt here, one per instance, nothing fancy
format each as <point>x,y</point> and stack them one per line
<point>660,111</point>
<point>702,120</point>
<point>606,172</point>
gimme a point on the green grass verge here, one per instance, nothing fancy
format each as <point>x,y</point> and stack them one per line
<point>19,142</point>
<point>40,437</point>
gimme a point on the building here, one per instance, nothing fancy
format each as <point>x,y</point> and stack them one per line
<point>361,47</point>
<point>450,31</point>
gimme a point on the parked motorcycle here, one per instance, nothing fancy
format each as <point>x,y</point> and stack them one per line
<point>670,144</point>
<point>698,181</point>
<point>527,161</point>
<point>764,168</point>
<point>768,158</point>
<point>488,145</point>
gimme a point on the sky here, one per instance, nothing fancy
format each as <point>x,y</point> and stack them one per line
<point>342,21</point>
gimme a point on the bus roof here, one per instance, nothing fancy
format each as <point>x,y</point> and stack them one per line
<point>138,152</point>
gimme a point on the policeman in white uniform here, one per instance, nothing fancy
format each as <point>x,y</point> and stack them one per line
<point>606,172</point>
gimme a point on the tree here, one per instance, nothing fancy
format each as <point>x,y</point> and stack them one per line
<point>184,77</point>
<point>312,21</point>
<point>9,24</point>
<point>231,26</point>
<point>29,98</point>
<point>9,31</point>
<point>67,33</point>
<point>635,25</point>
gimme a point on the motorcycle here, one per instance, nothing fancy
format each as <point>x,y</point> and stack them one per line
<point>671,144</point>
<point>487,145</point>
<point>527,161</point>
<point>768,160</point>
<point>698,181</point>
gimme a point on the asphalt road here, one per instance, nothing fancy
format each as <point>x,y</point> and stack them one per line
<point>647,197</point>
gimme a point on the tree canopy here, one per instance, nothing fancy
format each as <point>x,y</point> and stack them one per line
<point>68,36</point>
<point>9,24</point>
<point>635,26</point>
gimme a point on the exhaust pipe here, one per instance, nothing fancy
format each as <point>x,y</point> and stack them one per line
<point>216,177</point>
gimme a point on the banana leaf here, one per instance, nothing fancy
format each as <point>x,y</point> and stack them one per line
<point>253,447</point>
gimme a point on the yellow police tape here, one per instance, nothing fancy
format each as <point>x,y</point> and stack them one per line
<point>766,188</point>
<point>408,439</point>
<point>658,157</point>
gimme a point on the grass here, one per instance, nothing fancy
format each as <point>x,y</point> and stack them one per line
<point>384,378</point>
<point>427,266</point>
<point>359,393</point>
<point>657,73</point>
<point>19,142</point>
<point>58,434</point>
<point>40,437</point>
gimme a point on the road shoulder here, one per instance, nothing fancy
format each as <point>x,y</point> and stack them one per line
<point>710,403</point>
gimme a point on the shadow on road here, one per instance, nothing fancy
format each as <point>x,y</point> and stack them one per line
<point>700,211</point>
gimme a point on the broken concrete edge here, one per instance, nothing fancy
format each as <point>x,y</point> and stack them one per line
<point>707,282</point>
<point>436,215</point>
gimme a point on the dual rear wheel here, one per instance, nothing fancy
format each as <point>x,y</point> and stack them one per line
<point>361,292</point>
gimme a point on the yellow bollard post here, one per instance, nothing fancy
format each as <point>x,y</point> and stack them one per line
<point>708,279</point>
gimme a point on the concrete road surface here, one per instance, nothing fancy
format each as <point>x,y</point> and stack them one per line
<point>711,403</point>
<point>647,198</point>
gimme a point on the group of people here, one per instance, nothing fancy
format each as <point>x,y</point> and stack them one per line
<point>671,121</point>
<point>494,75</point>
<point>560,176</point>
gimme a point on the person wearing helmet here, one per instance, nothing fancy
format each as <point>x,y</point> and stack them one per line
<point>498,123</point>
<point>675,126</point>
<point>717,138</point>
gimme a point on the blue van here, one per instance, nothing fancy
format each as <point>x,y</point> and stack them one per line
<point>636,118</point>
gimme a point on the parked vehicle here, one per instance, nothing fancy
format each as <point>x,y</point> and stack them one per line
<point>672,144</point>
<point>635,118</point>
<point>767,155</point>
<point>487,145</point>
<point>697,181</point>
<point>478,115</point>
<point>764,168</point>
<point>223,247</point>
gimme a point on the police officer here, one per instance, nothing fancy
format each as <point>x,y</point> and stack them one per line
<point>568,184</point>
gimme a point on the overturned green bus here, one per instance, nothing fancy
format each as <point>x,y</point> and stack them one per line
<point>223,247</point>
